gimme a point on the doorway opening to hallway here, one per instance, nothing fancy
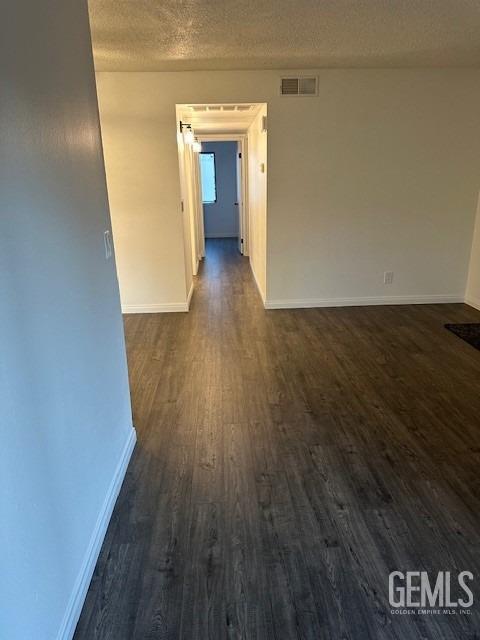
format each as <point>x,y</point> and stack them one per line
<point>221,190</point>
<point>222,151</point>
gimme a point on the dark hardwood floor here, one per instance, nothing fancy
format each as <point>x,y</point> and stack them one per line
<point>286,462</point>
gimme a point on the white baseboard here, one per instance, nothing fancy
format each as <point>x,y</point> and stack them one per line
<point>361,302</point>
<point>189,297</point>
<point>221,235</point>
<point>473,302</point>
<point>79,592</point>
<point>161,307</point>
<point>262,295</point>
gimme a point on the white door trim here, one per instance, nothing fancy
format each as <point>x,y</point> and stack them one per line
<point>198,209</point>
<point>242,139</point>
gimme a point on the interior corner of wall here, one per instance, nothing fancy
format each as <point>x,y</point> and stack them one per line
<point>472,287</point>
<point>189,295</point>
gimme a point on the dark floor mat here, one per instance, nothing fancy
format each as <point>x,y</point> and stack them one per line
<point>469,332</point>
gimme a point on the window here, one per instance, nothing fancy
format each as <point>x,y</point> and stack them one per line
<point>208,178</point>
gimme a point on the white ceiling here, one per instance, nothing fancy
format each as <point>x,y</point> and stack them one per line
<point>274,34</point>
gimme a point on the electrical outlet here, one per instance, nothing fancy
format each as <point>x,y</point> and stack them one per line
<point>388,277</point>
<point>108,244</point>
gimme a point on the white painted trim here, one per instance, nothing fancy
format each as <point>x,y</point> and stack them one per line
<point>473,302</point>
<point>242,138</point>
<point>79,592</point>
<point>361,302</point>
<point>160,307</point>
<point>221,235</point>
<point>262,295</point>
<point>221,137</point>
<point>244,221</point>
<point>195,266</point>
<point>190,294</point>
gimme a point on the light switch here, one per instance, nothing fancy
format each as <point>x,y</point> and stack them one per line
<point>108,244</point>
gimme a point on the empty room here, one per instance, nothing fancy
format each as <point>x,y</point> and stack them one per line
<point>240,320</point>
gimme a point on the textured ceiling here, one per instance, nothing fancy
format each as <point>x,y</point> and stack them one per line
<point>255,34</point>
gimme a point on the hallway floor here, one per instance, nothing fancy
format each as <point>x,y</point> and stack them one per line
<point>287,462</point>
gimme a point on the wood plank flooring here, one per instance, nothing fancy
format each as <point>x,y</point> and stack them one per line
<point>287,461</point>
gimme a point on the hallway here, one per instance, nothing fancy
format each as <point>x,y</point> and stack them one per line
<point>286,462</point>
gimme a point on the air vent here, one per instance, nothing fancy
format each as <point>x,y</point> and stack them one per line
<point>303,86</point>
<point>220,107</point>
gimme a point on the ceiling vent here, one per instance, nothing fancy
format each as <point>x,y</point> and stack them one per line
<point>220,107</point>
<point>302,86</point>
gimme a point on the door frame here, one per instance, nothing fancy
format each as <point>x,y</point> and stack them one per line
<point>243,213</point>
<point>194,244</point>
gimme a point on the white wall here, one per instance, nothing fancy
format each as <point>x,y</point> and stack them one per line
<point>378,173</point>
<point>473,283</point>
<point>65,422</point>
<point>381,173</point>
<point>257,205</point>
<point>141,160</point>
<point>221,217</point>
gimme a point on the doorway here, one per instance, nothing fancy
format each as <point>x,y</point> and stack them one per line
<point>220,163</point>
<point>222,151</point>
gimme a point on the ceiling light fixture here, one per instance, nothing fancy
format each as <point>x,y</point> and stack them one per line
<point>187,131</point>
